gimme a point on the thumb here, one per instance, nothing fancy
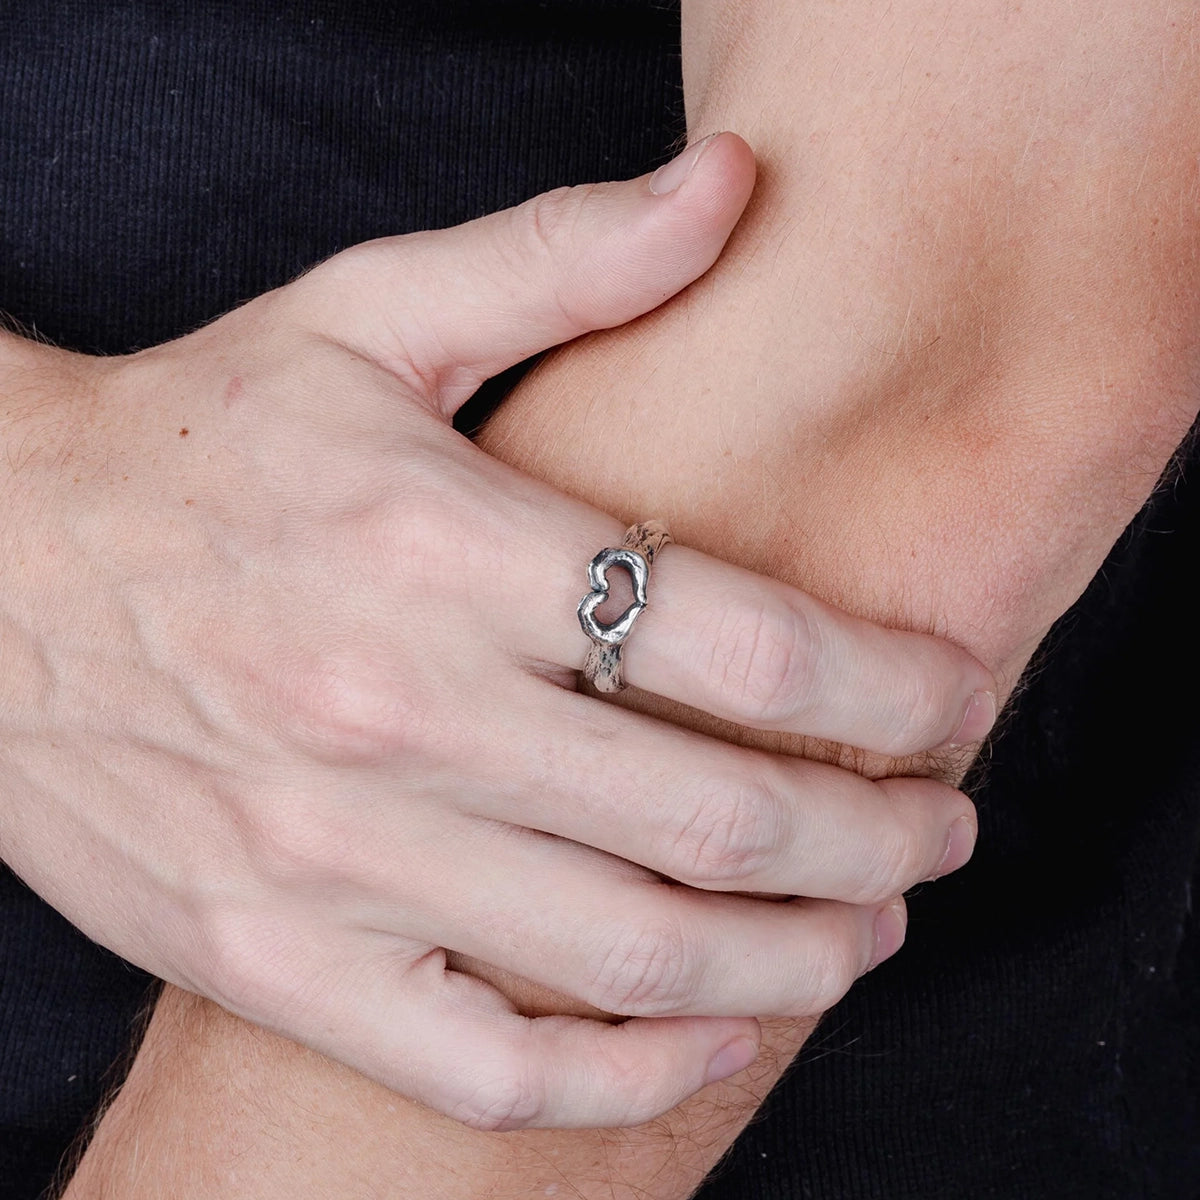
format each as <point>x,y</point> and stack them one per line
<point>448,309</point>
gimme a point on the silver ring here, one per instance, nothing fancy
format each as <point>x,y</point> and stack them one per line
<point>636,554</point>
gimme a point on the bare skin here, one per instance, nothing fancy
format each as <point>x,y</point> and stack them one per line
<point>252,746</point>
<point>238,745</point>
<point>943,363</point>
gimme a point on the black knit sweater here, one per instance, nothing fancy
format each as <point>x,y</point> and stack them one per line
<point>1038,1036</point>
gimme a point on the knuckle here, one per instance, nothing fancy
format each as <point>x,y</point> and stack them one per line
<point>764,661</point>
<point>552,219</point>
<point>352,263</point>
<point>438,539</point>
<point>907,837</point>
<point>897,858</point>
<point>637,1094</point>
<point>240,960</point>
<point>730,835</point>
<point>415,535</point>
<point>350,692</point>
<point>342,710</point>
<point>332,279</point>
<point>645,971</point>
<point>923,713</point>
<point>832,969</point>
<point>503,1100</point>
<point>293,845</point>
<point>549,227</point>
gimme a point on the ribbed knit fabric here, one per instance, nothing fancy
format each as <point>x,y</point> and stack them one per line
<point>163,162</point>
<point>1037,1038</point>
<point>1039,1035</point>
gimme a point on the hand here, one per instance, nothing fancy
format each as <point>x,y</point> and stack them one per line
<point>291,708</point>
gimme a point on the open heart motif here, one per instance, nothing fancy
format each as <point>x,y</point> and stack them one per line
<point>615,632</point>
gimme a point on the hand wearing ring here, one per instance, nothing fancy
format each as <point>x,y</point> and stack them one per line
<point>302,716</point>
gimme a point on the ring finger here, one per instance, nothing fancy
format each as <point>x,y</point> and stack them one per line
<point>744,647</point>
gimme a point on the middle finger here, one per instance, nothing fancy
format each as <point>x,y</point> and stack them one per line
<point>707,813</point>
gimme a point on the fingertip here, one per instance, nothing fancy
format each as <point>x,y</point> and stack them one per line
<point>730,157</point>
<point>686,1054</point>
<point>713,177</point>
<point>960,845</point>
<point>720,159</point>
<point>890,929</point>
<point>978,718</point>
<point>955,701</point>
<point>732,1058</point>
<point>672,175</point>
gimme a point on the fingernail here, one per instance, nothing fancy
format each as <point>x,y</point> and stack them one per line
<point>977,720</point>
<point>959,846</point>
<point>670,175</point>
<point>890,926</point>
<point>730,1059</point>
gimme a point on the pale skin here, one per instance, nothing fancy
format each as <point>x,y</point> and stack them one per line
<point>965,303</point>
<point>251,740</point>
<point>255,747</point>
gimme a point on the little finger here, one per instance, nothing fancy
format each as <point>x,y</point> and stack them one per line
<point>456,1045</point>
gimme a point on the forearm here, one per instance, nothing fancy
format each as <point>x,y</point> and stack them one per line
<point>960,321</point>
<point>942,364</point>
<point>215,1108</point>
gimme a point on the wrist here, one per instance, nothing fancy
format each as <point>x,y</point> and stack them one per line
<point>45,394</point>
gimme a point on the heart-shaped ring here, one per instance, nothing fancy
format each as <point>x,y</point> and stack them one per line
<point>615,632</point>
<point>642,542</point>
